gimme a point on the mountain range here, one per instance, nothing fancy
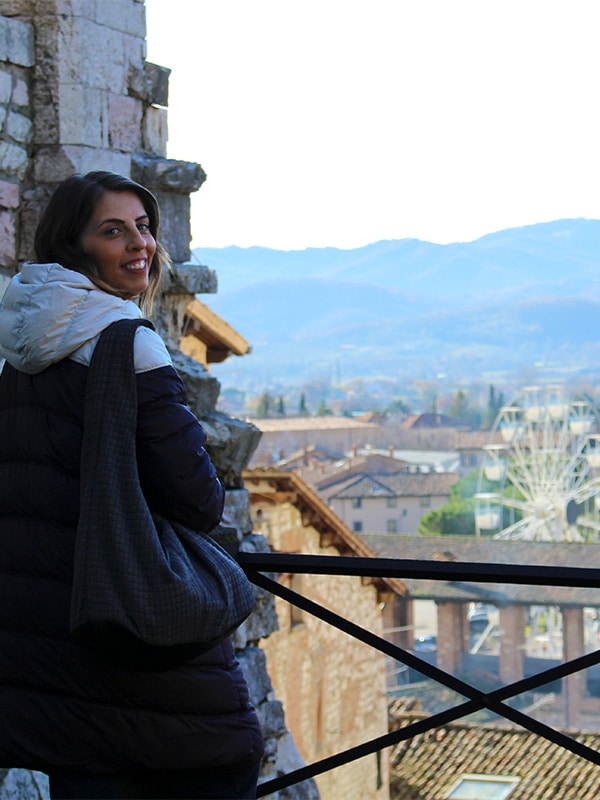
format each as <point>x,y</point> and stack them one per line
<point>522,300</point>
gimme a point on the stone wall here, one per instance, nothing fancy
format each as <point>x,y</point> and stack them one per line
<point>77,94</point>
<point>333,687</point>
<point>16,62</point>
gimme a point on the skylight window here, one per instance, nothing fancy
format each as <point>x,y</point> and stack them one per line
<point>482,787</point>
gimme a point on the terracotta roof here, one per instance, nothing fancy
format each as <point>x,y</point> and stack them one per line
<point>323,470</point>
<point>429,764</point>
<point>402,484</point>
<point>220,339</point>
<point>432,420</point>
<point>289,487</point>
<point>490,551</point>
<point>282,424</point>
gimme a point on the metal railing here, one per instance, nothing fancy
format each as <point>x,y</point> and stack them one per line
<point>257,564</point>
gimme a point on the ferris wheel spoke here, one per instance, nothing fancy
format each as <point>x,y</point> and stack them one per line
<point>521,529</point>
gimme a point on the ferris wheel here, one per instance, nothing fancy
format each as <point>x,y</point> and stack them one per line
<point>540,475</point>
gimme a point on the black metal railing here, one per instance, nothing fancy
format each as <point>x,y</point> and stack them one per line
<point>257,564</point>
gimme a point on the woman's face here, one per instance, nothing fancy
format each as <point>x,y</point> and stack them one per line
<point>118,240</point>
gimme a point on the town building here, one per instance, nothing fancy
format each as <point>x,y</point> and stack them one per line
<point>378,490</point>
<point>333,687</point>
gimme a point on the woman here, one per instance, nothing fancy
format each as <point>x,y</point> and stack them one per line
<point>101,730</point>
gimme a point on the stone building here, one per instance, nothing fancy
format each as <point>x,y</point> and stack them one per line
<point>333,687</point>
<point>76,94</point>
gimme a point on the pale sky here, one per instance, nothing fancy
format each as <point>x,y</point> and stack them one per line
<point>343,122</point>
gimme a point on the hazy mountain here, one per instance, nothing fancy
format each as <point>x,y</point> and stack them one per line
<point>506,301</point>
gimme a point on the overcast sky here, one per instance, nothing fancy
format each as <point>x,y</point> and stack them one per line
<point>343,122</point>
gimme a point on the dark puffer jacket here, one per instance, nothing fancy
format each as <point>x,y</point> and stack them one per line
<point>60,704</point>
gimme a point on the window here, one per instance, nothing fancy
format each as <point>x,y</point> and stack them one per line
<point>357,527</point>
<point>483,787</point>
<point>356,502</point>
<point>425,502</point>
<point>391,502</point>
<point>391,526</point>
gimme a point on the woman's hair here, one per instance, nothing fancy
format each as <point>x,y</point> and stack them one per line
<point>58,235</point>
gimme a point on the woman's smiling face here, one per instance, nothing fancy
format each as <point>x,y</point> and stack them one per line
<point>118,240</point>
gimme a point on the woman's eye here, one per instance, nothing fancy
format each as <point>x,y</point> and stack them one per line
<point>111,231</point>
<point>144,227</point>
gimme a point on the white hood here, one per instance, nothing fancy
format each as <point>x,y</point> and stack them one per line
<point>49,312</point>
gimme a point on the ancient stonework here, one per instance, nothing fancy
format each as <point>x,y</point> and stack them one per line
<point>77,94</point>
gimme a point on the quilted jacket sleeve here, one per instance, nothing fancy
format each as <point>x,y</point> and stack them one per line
<point>176,473</point>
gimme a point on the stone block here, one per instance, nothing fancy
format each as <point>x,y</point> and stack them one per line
<point>202,388</point>
<point>55,163</point>
<point>124,123</point>
<point>20,93</point>
<point>23,784</point>
<point>9,194</point>
<point>263,621</point>
<point>3,114</point>
<point>87,53</point>
<point>6,84</point>
<point>18,127</point>
<point>122,15</point>
<point>287,759</point>
<point>272,719</point>
<point>192,279</point>
<point>83,115</point>
<point>8,238</point>
<point>169,313</point>
<point>237,510</point>
<point>231,443</point>
<point>19,42</point>
<point>167,175</point>
<point>17,8</point>
<point>253,663</point>
<point>3,39</point>
<point>157,84</point>
<point>33,202</point>
<point>71,8</point>
<point>13,160</point>
<point>149,83</point>
<point>155,131</point>
<point>175,231</point>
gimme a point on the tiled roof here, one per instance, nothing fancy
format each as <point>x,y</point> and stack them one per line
<point>265,481</point>
<point>402,484</point>
<point>321,470</point>
<point>432,420</point>
<point>428,765</point>
<point>219,337</point>
<point>490,551</point>
<point>282,424</point>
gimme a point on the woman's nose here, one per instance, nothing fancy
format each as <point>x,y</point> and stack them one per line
<point>136,240</point>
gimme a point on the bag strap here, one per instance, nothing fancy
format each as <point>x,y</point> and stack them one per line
<point>110,421</point>
<point>111,389</point>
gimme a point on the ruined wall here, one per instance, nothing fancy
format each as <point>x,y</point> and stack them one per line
<point>77,94</point>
